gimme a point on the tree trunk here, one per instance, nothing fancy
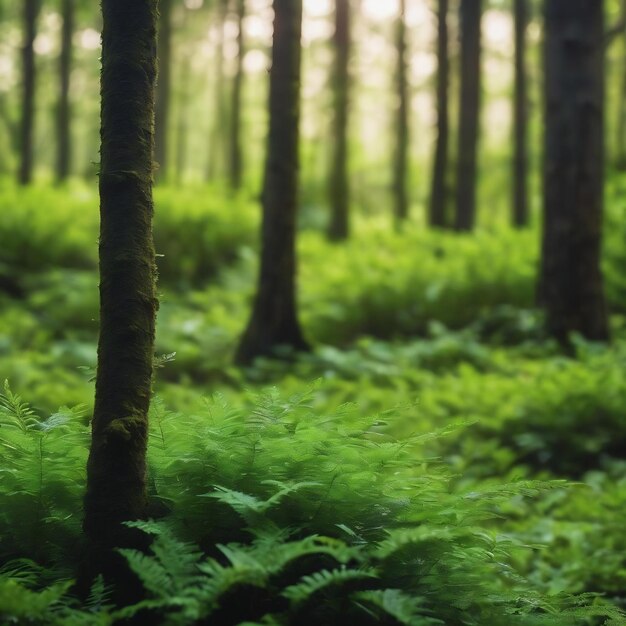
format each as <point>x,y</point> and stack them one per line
<point>571,284</point>
<point>520,115</point>
<point>236,161</point>
<point>339,192</point>
<point>469,112</point>
<point>182,129</point>
<point>620,154</point>
<point>439,195</point>
<point>116,469</point>
<point>274,321</point>
<point>64,112</point>
<point>164,89</point>
<point>219,115</point>
<point>400,166</point>
<point>31,12</point>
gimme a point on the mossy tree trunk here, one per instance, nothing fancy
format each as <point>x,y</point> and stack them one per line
<point>31,10</point>
<point>520,116</point>
<point>116,469</point>
<point>439,195</point>
<point>400,164</point>
<point>274,322</point>
<point>571,284</point>
<point>339,188</point>
<point>236,157</point>
<point>469,114</point>
<point>64,113</point>
<point>164,89</point>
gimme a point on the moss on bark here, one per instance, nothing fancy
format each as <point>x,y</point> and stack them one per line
<point>116,469</point>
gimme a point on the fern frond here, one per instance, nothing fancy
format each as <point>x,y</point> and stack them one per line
<point>405,609</point>
<point>322,580</point>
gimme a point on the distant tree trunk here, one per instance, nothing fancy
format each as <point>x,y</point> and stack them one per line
<point>339,226</point>
<point>400,166</point>
<point>217,127</point>
<point>236,161</point>
<point>274,321</point>
<point>438,196</point>
<point>30,14</point>
<point>571,284</point>
<point>116,469</point>
<point>469,113</point>
<point>182,130</point>
<point>164,89</point>
<point>64,113</point>
<point>620,156</point>
<point>520,161</point>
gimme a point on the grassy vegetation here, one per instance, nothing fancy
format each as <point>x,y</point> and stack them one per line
<point>432,461</point>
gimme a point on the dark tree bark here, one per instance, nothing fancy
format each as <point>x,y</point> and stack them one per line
<point>164,89</point>
<point>274,321</point>
<point>439,196</point>
<point>400,165</point>
<point>339,188</point>
<point>64,112</point>
<point>469,113</point>
<point>571,284</point>
<point>116,469</point>
<point>30,14</point>
<point>236,158</point>
<point>216,135</point>
<point>520,115</point>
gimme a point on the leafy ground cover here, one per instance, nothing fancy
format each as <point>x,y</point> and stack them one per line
<point>435,459</point>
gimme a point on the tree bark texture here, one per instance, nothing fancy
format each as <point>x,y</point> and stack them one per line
<point>469,114</point>
<point>164,89</point>
<point>274,321</point>
<point>116,469</point>
<point>236,156</point>
<point>400,165</point>
<point>571,284</point>
<point>439,195</point>
<point>30,14</point>
<point>64,112</point>
<point>520,115</point>
<point>339,191</point>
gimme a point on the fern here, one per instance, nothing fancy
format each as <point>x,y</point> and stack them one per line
<point>323,580</point>
<point>405,609</point>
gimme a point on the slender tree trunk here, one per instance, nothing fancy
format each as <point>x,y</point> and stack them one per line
<point>274,321</point>
<point>116,469</point>
<point>520,114</point>
<point>64,113</point>
<point>182,130</point>
<point>339,226</point>
<point>469,113</point>
<point>216,134</point>
<point>571,284</point>
<point>400,166</point>
<point>164,89</point>
<point>30,14</point>
<point>236,159</point>
<point>439,196</point>
<point>620,156</point>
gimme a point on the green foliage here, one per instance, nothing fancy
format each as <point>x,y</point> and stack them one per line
<point>317,518</point>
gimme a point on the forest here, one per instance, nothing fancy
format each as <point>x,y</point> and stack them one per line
<point>313,312</point>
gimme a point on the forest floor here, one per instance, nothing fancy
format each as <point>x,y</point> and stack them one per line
<point>432,400</point>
